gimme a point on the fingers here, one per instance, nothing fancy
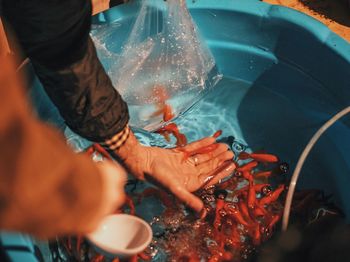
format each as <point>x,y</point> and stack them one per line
<point>223,174</point>
<point>199,143</point>
<point>224,170</point>
<point>188,198</point>
<point>221,152</point>
<point>212,164</point>
<point>179,183</point>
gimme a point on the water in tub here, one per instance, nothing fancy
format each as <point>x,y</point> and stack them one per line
<point>268,118</point>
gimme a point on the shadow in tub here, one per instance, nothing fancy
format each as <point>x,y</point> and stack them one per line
<point>327,240</point>
<point>282,110</point>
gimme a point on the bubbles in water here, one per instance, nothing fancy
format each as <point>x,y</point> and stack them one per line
<point>208,208</point>
<point>153,251</point>
<point>238,174</point>
<point>210,190</point>
<point>209,198</point>
<point>155,219</point>
<point>238,147</point>
<point>222,212</point>
<point>284,167</point>
<point>266,190</point>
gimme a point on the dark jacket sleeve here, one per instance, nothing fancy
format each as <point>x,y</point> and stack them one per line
<point>55,36</point>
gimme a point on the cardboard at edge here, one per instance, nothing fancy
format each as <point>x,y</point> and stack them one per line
<point>4,46</point>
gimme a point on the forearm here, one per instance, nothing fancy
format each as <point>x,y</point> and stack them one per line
<point>85,97</point>
<point>55,36</point>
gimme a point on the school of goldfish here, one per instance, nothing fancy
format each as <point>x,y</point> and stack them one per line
<point>242,211</point>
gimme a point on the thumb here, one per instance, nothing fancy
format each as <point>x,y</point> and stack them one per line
<point>114,179</point>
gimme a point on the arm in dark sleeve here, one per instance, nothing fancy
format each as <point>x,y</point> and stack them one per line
<point>55,36</point>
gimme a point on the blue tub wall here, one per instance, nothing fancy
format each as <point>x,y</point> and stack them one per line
<point>18,247</point>
<point>272,34</point>
<point>285,53</point>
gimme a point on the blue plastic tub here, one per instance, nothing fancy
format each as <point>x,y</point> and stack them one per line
<point>285,74</point>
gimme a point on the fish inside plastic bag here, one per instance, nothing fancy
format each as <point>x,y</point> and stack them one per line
<point>163,52</point>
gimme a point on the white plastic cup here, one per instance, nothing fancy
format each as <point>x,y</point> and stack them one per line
<point>121,235</point>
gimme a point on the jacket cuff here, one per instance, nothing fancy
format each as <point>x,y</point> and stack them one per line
<point>117,140</point>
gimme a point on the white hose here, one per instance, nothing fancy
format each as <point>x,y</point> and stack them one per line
<point>302,158</point>
<point>24,62</point>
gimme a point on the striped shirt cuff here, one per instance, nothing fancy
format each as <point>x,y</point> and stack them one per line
<point>117,140</point>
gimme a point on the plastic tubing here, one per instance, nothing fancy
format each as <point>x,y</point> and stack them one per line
<point>24,62</point>
<point>302,158</point>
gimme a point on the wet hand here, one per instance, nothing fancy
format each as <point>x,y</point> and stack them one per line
<point>179,171</point>
<point>181,175</point>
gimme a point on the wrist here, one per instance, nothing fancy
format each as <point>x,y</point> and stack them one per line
<point>118,140</point>
<point>126,148</point>
<point>136,157</point>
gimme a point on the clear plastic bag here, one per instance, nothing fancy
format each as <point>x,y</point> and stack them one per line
<point>162,52</point>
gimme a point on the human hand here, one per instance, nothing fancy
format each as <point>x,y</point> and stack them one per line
<point>99,6</point>
<point>113,196</point>
<point>181,175</point>
<point>173,170</point>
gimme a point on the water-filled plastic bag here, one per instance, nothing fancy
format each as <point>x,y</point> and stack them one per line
<point>161,59</point>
